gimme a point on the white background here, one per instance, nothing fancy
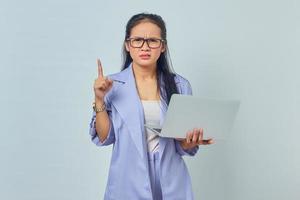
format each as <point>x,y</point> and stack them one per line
<point>247,50</point>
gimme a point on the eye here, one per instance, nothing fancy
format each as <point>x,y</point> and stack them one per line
<point>153,40</point>
<point>137,39</point>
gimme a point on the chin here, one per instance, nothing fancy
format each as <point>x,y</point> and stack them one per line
<point>146,63</point>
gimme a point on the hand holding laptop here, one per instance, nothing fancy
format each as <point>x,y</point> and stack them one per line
<point>194,138</point>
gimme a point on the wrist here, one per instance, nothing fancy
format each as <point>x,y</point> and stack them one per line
<point>99,102</point>
<point>99,106</point>
<point>183,145</point>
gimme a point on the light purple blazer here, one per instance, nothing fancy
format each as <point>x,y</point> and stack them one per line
<point>129,174</point>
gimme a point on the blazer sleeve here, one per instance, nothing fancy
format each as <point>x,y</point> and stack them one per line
<point>93,133</point>
<point>185,88</point>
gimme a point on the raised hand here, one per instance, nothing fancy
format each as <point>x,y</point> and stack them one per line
<point>102,84</point>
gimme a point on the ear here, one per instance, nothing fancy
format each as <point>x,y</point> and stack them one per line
<point>126,46</point>
<point>163,49</point>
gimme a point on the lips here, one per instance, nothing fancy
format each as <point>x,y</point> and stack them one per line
<point>144,56</point>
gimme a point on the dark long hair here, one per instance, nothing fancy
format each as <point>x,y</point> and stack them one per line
<point>165,72</point>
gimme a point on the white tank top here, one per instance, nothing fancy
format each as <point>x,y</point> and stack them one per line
<point>152,116</point>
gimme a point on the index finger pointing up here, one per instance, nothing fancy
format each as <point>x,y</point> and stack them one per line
<point>100,70</point>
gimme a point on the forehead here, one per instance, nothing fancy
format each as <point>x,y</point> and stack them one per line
<point>146,29</point>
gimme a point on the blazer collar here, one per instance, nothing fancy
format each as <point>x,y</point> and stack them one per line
<point>127,102</point>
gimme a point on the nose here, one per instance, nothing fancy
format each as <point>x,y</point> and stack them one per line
<point>145,46</point>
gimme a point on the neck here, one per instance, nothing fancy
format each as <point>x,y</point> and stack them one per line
<point>144,72</point>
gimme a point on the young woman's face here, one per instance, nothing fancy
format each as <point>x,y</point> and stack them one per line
<point>145,56</point>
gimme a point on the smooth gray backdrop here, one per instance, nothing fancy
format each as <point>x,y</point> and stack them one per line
<point>247,50</point>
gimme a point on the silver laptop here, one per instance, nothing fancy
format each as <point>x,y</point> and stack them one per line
<point>185,112</point>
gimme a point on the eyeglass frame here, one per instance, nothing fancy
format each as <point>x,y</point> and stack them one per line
<point>145,40</point>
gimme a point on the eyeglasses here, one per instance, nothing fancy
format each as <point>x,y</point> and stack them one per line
<point>153,43</point>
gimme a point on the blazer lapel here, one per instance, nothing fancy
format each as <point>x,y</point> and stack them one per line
<point>127,102</point>
<point>163,112</point>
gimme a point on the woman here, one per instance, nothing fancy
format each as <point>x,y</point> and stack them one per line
<point>143,165</point>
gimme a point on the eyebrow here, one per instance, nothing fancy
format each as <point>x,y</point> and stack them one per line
<point>145,37</point>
